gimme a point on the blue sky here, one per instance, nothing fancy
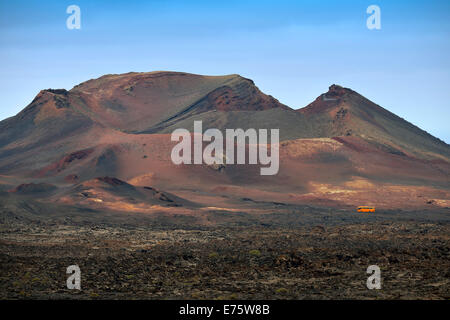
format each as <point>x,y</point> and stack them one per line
<point>293,50</point>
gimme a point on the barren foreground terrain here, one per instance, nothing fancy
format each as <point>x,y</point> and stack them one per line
<point>288,258</point>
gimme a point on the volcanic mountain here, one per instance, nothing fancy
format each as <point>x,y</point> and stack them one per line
<point>111,136</point>
<point>344,112</point>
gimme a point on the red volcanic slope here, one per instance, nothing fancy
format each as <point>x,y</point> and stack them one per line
<point>138,101</point>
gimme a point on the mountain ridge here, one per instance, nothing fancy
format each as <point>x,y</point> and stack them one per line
<point>161,101</point>
<point>341,149</point>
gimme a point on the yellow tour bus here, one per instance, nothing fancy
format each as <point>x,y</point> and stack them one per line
<point>366,209</point>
